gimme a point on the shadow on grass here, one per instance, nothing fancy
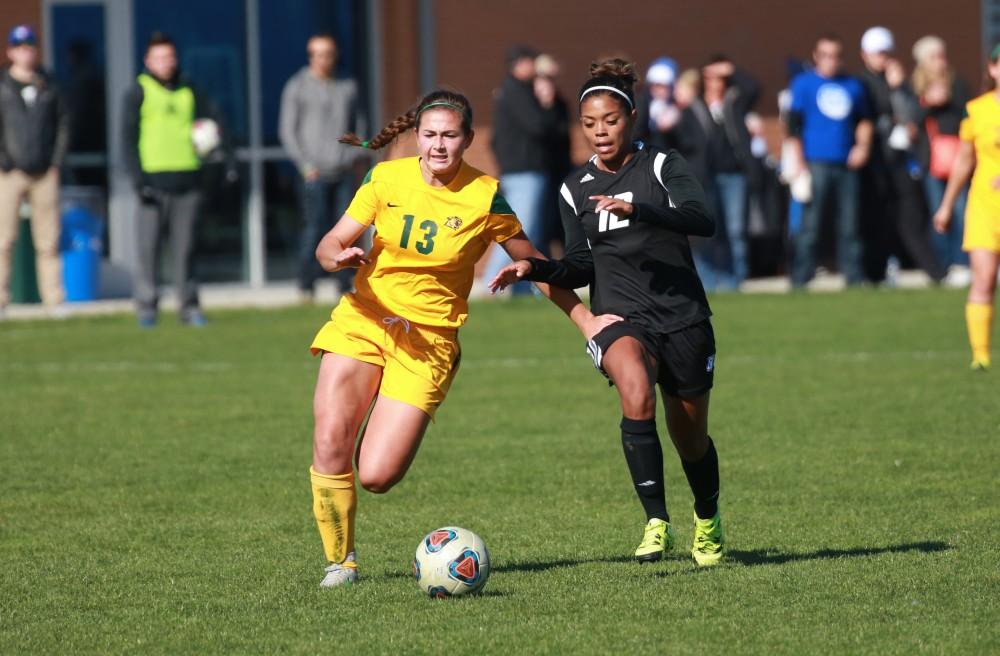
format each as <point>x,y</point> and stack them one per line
<point>769,557</point>
<point>541,566</point>
<point>735,556</point>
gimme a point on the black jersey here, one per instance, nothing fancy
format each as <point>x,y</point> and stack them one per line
<point>638,267</point>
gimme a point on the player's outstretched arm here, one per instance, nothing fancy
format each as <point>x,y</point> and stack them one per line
<point>574,270</point>
<point>520,250</point>
<point>335,250</point>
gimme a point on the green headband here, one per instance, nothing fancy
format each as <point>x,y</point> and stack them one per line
<point>444,103</point>
<point>995,53</point>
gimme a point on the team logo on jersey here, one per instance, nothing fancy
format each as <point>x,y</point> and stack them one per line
<point>453,222</point>
<point>586,178</point>
<point>710,364</point>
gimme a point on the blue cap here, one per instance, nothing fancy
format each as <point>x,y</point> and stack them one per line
<point>22,35</point>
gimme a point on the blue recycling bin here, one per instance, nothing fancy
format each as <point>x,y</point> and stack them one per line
<point>81,247</point>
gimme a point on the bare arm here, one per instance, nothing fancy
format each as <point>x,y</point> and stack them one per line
<point>520,248</point>
<point>961,171</point>
<point>335,250</point>
<point>858,156</point>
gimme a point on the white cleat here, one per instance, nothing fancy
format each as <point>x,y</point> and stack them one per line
<point>344,573</point>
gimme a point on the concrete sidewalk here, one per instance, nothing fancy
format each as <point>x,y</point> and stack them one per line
<point>216,296</point>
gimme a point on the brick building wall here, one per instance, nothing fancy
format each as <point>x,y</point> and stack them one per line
<point>472,36</point>
<point>15,12</point>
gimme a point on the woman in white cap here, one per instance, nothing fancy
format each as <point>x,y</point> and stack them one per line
<point>892,204</point>
<point>658,113</point>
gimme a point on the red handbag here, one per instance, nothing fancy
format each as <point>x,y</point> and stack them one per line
<point>944,150</point>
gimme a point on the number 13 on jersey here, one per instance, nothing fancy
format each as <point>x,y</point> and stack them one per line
<point>609,221</point>
<point>426,245</point>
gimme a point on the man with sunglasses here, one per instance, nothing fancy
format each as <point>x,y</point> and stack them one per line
<point>316,109</point>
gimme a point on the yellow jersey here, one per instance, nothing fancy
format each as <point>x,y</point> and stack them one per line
<point>981,127</point>
<point>427,239</point>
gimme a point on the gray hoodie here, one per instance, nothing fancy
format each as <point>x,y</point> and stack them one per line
<point>314,114</point>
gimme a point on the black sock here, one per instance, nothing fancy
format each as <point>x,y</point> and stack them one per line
<point>644,456</point>
<point>703,477</point>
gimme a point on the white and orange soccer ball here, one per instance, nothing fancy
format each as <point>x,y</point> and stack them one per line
<point>451,561</point>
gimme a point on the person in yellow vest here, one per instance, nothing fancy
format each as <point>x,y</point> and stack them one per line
<point>159,113</point>
<point>979,151</point>
<point>390,350</point>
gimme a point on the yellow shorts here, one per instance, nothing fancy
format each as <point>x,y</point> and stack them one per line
<point>982,224</point>
<point>418,362</point>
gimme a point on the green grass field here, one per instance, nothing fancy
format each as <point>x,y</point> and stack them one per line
<point>154,493</point>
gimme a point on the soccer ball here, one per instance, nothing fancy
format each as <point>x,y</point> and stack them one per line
<point>205,136</point>
<point>451,561</point>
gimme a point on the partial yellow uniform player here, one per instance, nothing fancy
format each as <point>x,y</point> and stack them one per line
<point>408,324</point>
<point>981,129</point>
<point>411,299</point>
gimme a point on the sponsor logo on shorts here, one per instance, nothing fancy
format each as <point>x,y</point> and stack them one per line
<point>710,364</point>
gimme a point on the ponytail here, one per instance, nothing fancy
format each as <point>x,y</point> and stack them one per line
<point>440,98</point>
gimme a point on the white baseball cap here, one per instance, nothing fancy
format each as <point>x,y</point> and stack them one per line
<point>662,71</point>
<point>877,39</point>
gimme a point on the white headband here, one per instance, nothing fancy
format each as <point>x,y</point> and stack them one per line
<point>606,88</point>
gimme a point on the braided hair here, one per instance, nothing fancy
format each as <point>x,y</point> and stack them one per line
<point>440,98</point>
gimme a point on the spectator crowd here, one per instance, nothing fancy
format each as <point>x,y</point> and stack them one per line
<point>862,165</point>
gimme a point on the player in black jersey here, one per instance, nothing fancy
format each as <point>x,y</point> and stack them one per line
<point>627,216</point>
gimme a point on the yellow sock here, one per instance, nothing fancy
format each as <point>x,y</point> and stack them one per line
<point>979,319</point>
<point>334,503</point>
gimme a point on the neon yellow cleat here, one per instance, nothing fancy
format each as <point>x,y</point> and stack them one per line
<point>708,541</point>
<point>980,364</point>
<point>657,539</point>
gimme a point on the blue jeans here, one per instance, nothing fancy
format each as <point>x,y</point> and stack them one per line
<point>323,201</point>
<point>949,245</point>
<point>732,189</point>
<point>525,192</point>
<point>708,262</point>
<point>837,183</point>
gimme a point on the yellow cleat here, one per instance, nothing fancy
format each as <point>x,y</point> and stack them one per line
<point>657,539</point>
<point>708,541</point>
<point>980,364</point>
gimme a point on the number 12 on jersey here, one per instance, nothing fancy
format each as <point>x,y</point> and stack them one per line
<point>609,221</point>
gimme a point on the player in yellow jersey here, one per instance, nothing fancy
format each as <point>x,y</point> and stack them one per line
<point>979,150</point>
<point>390,350</point>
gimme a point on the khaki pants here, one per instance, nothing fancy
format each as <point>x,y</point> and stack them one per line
<point>43,195</point>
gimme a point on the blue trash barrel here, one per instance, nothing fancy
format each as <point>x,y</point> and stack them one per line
<point>81,247</point>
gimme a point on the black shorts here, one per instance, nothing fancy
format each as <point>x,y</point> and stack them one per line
<point>684,360</point>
